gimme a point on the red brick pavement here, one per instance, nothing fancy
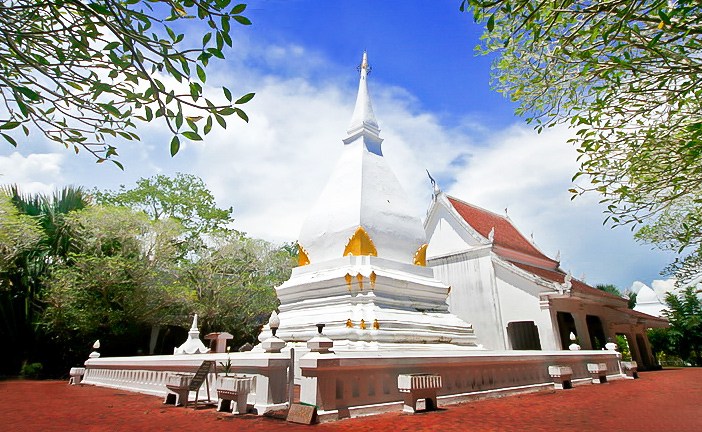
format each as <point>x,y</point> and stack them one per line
<point>669,400</point>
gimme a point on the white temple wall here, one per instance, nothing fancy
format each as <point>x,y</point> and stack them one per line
<point>473,293</point>
<point>519,301</point>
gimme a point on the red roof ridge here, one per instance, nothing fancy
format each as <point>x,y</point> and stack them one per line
<point>453,198</point>
<point>514,240</point>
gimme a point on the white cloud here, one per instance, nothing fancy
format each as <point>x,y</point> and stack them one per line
<point>35,173</point>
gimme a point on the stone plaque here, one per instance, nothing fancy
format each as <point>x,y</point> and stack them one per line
<point>303,414</point>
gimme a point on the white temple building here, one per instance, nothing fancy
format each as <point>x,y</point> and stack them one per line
<point>517,297</point>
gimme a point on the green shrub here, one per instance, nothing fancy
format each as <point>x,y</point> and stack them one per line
<point>31,370</point>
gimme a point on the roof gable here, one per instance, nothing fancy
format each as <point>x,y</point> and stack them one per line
<point>506,236</point>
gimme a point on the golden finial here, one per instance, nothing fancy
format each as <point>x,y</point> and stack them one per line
<point>376,325</point>
<point>363,325</point>
<point>349,323</point>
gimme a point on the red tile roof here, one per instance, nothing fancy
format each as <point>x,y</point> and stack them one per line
<point>506,235</point>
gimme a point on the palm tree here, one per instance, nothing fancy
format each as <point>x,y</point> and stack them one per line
<point>20,306</point>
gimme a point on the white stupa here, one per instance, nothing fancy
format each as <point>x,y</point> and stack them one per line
<point>193,344</point>
<point>362,258</point>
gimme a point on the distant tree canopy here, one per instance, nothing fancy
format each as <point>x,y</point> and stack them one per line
<point>184,198</point>
<point>123,273</point>
<point>81,72</point>
<point>683,338</point>
<point>612,289</point>
<point>625,75</point>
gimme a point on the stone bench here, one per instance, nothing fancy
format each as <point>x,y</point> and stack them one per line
<point>232,393</point>
<point>631,369</point>
<point>562,377</point>
<point>416,387</point>
<point>598,372</point>
<point>76,375</point>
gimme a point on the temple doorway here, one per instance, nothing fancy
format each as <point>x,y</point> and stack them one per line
<point>523,335</point>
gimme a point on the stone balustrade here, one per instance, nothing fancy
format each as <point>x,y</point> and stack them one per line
<point>150,374</point>
<point>349,384</point>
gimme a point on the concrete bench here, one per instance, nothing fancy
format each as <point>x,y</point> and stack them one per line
<point>562,377</point>
<point>416,387</point>
<point>232,393</point>
<point>631,369</point>
<point>76,375</point>
<point>598,372</point>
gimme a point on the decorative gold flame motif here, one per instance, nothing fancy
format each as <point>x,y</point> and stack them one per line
<point>420,257</point>
<point>372,279</point>
<point>349,323</point>
<point>359,278</point>
<point>360,244</point>
<point>348,281</point>
<point>302,258</point>
<point>376,325</point>
<point>363,325</point>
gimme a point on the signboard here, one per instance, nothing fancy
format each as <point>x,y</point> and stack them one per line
<point>303,414</point>
<point>201,374</point>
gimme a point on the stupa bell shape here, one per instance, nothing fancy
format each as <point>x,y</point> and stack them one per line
<point>363,209</point>
<point>362,255</point>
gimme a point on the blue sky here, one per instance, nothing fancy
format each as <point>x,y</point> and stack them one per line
<point>432,98</point>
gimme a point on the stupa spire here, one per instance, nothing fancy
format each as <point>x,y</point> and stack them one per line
<point>363,119</point>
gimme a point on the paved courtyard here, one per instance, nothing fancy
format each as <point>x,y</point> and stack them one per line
<point>668,400</point>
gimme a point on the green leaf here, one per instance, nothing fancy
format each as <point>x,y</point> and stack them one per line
<point>9,139</point>
<point>242,114</point>
<point>227,94</point>
<point>119,165</point>
<point>664,17</point>
<point>29,93</point>
<point>192,136</point>
<point>175,145</point>
<point>242,20</point>
<point>206,39</point>
<point>236,10</point>
<point>111,109</point>
<point>221,121</point>
<point>99,8</point>
<point>247,97</point>
<point>491,23</point>
<point>9,125</point>
<point>201,73</point>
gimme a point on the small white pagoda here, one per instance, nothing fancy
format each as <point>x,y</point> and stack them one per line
<point>362,257</point>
